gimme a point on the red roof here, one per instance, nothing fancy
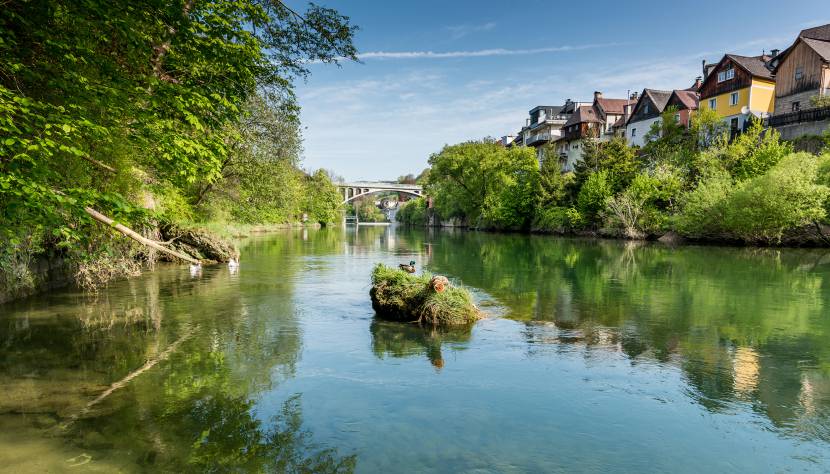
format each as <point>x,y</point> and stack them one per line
<point>614,106</point>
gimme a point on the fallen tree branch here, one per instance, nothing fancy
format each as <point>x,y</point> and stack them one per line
<point>138,237</point>
<point>124,381</point>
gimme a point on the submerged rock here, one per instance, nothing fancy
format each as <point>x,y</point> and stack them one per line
<point>399,296</point>
<point>197,243</point>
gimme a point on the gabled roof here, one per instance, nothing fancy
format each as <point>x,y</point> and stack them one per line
<point>659,98</point>
<point>613,106</point>
<point>583,114</point>
<point>820,47</point>
<point>755,65</point>
<point>818,39</point>
<point>689,99</point>
<point>821,33</point>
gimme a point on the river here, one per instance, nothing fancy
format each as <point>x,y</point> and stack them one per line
<point>596,356</point>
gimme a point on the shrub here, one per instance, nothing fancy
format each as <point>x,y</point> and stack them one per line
<point>413,212</point>
<point>703,207</point>
<point>558,219</point>
<point>593,196</point>
<point>786,197</point>
<point>399,296</point>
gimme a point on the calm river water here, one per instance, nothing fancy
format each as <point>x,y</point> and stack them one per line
<point>597,356</point>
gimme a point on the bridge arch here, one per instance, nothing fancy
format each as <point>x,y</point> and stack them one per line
<point>352,191</point>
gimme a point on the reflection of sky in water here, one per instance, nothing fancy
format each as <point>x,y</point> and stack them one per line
<point>598,356</point>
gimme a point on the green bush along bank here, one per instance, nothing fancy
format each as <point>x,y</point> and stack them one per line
<point>695,182</point>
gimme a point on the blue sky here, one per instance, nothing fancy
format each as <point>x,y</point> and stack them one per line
<point>441,72</point>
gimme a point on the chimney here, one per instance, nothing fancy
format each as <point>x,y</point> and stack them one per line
<point>774,52</point>
<point>704,69</point>
<point>635,95</point>
<point>597,95</point>
<point>698,83</point>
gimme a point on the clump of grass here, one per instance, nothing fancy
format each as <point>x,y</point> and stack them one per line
<point>399,296</point>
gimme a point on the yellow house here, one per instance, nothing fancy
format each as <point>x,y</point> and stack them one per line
<point>737,88</point>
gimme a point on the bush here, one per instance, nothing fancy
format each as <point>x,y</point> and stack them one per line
<point>593,196</point>
<point>399,296</point>
<point>413,212</point>
<point>787,197</point>
<point>558,219</point>
<point>703,207</point>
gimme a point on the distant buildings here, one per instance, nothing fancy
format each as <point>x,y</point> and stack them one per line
<point>780,89</point>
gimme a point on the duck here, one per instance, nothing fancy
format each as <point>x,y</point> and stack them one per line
<point>195,269</point>
<point>408,268</point>
<point>233,263</point>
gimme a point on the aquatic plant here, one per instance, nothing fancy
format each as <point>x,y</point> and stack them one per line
<point>399,296</point>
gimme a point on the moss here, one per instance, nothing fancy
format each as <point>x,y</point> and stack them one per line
<point>399,296</point>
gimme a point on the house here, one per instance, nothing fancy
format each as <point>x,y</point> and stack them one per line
<point>650,107</point>
<point>738,87</point>
<point>597,121</point>
<point>647,111</point>
<point>685,102</point>
<point>584,124</point>
<point>802,72</point>
<point>545,123</point>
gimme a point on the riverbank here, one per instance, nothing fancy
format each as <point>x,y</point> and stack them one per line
<point>211,242</point>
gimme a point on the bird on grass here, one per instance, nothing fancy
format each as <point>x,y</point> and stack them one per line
<point>408,268</point>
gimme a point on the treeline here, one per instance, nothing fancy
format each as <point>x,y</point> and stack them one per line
<point>147,111</point>
<point>698,182</point>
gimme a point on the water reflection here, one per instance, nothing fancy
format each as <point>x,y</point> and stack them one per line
<point>744,325</point>
<point>160,373</point>
<point>392,339</point>
<point>617,354</point>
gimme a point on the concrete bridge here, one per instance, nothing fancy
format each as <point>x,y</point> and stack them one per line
<point>352,191</point>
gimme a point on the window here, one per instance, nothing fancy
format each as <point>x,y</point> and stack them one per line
<point>796,106</point>
<point>633,132</point>
<point>726,75</point>
<point>713,104</point>
<point>733,99</point>
<point>645,109</point>
<point>676,118</point>
<point>799,73</point>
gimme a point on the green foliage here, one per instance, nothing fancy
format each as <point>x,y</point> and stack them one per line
<point>594,195</point>
<point>400,296</point>
<point>614,157</point>
<point>101,102</point>
<point>322,200</point>
<point>553,183</point>
<point>786,197</point>
<point>558,219</point>
<point>413,212</point>
<point>704,207</point>
<point>489,185</point>
<point>754,152</point>
<point>791,194</point>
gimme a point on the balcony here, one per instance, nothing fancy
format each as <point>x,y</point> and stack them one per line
<point>550,120</point>
<point>540,138</point>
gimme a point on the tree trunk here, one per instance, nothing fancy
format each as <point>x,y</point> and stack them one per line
<point>137,237</point>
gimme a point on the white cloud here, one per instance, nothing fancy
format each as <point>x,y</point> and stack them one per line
<point>477,53</point>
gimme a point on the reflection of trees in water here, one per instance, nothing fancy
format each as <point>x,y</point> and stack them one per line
<point>736,321</point>
<point>392,339</point>
<point>194,411</point>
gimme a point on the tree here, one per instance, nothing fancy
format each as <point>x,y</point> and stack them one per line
<point>615,157</point>
<point>489,185</point>
<point>322,200</point>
